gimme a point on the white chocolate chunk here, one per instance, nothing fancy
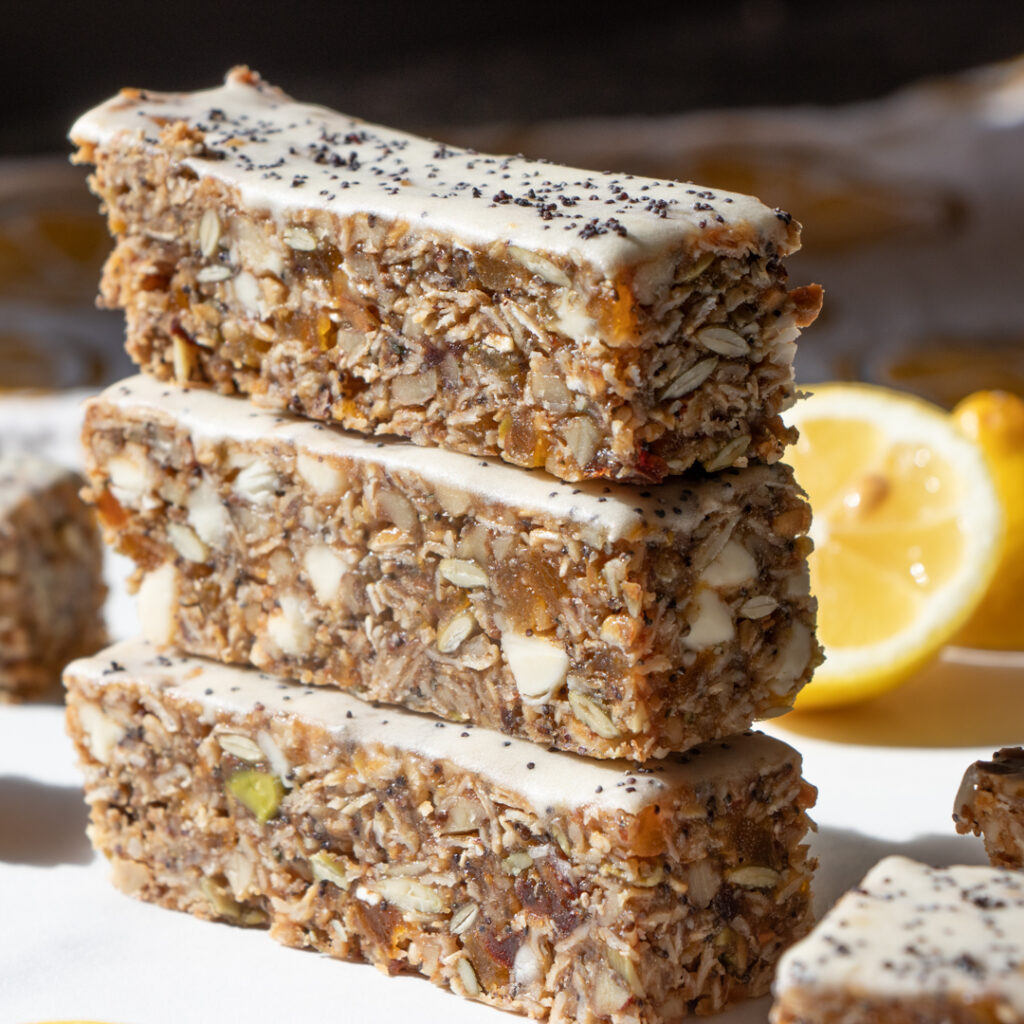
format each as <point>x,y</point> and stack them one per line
<point>325,570</point>
<point>207,514</point>
<point>733,567</point>
<point>102,733</point>
<point>132,477</point>
<point>538,666</point>
<point>256,483</point>
<point>324,477</point>
<point>710,621</point>
<point>288,627</point>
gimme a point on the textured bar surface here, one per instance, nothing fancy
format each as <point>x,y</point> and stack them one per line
<point>990,803</point>
<point>599,618</point>
<point>594,324</point>
<point>534,881</point>
<point>912,944</point>
<point>51,577</point>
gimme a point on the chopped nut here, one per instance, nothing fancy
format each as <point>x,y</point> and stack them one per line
<point>409,895</point>
<point>398,509</point>
<point>224,903</point>
<point>158,604</point>
<point>414,388</point>
<point>724,341</point>
<point>592,715</point>
<point>690,379</point>
<point>758,607</point>
<point>462,572</point>
<point>454,631</point>
<point>299,238</point>
<point>288,626</point>
<point>102,733</point>
<point>207,514</point>
<point>702,264</point>
<point>582,437</point>
<point>461,815</point>
<point>538,666</point>
<point>132,476</point>
<point>241,747</point>
<point>209,233</point>
<point>182,359</point>
<point>247,292</point>
<point>463,918</point>
<point>753,877</point>
<point>609,995</point>
<point>620,631</point>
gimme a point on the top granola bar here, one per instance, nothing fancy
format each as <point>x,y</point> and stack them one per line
<point>592,323</point>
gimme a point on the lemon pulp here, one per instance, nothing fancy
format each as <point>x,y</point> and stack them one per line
<point>906,524</point>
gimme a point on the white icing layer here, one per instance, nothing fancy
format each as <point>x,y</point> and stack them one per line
<point>547,780</point>
<point>22,476</point>
<point>285,156</point>
<point>610,512</point>
<point>910,930</point>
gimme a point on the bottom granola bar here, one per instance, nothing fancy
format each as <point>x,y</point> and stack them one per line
<point>51,576</point>
<point>991,803</point>
<point>531,880</point>
<point>912,944</point>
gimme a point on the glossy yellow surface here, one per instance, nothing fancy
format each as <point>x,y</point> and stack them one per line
<point>995,420</point>
<point>906,525</point>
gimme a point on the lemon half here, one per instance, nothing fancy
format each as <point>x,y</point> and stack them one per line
<point>907,528</point>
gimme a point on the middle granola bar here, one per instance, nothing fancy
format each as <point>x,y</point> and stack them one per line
<point>601,619</point>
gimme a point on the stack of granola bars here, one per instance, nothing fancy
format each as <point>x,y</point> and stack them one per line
<point>463,687</point>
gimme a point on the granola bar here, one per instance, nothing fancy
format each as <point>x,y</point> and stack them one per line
<point>51,578</point>
<point>590,323</point>
<point>532,880</point>
<point>991,803</point>
<point>597,618</point>
<point>912,945</point>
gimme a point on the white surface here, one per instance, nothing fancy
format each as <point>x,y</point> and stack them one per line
<point>72,947</point>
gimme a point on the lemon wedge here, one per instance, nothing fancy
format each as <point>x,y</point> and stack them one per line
<point>907,528</point>
<point>995,419</point>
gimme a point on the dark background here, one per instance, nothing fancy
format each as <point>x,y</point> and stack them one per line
<point>424,66</point>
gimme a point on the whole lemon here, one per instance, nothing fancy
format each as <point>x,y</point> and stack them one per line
<point>995,419</point>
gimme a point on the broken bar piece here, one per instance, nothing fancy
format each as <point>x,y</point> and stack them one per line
<point>595,324</point>
<point>912,944</point>
<point>598,618</point>
<point>51,576</point>
<point>990,803</point>
<point>534,881</point>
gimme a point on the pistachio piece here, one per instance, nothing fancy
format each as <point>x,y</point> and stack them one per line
<point>260,792</point>
<point>328,868</point>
